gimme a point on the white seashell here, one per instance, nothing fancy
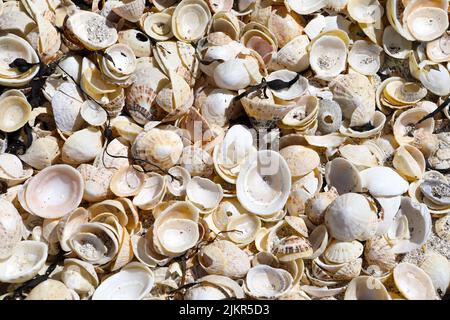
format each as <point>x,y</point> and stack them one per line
<point>294,55</point>
<point>265,282</point>
<point>83,146</point>
<point>151,193</point>
<point>54,192</point>
<point>294,91</point>
<point>204,194</point>
<point>217,106</point>
<point>69,225</point>
<point>66,106</point>
<point>364,57</point>
<point>127,181</point>
<point>178,187</point>
<point>27,259</point>
<point>351,217</point>
<point>42,153</point>
<point>10,228</point>
<point>190,20</point>
<point>383,182</point>
<point>437,267</point>
<point>343,252</point>
<point>263,183</point>
<point>130,10</point>
<point>343,175</point>
<point>79,275</point>
<point>413,282</point>
<point>435,79</point>
<point>427,23</point>
<point>366,288</point>
<point>52,290</point>
<point>232,75</point>
<point>305,6</point>
<point>365,11</point>
<point>137,279</point>
<point>328,56</point>
<point>92,113</point>
<point>395,45</point>
<point>246,225</point>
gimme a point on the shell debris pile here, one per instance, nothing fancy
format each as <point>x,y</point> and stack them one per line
<point>219,149</point>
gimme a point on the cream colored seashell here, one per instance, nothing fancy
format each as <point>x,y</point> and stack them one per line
<point>413,282</point>
<point>390,206</point>
<point>436,191</point>
<point>409,162</point>
<point>190,20</point>
<point>292,248</point>
<point>117,147</point>
<point>92,30</point>
<point>17,21</point>
<point>138,279</point>
<point>205,292</point>
<point>343,252</point>
<point>95,243</point>
<point>246,227</point>
<point>123,62</point>
<point>305,6</point>
<point>197,161</point>
<point>232,75</point>
<point>365,11</point>
<point>217,106</point>
<point>42,153</point>
<point>160,147</point>
<point>224,258</point>
<point>366,288</point>
<point>125,128</point>
<point>125,253</point>
<point>265,282</point>
<point>161,5</point>
<point>259,39</point>
<point>14,113</point>
<point>178,187</point>
<point>377,122</point>
<point>395,45</point>
<point>383,182</point>
<point>26,260</point>
<point>300,160</point>
<point>359,155</point>
<point>329,116</point>
<point>127,181</point>
<point>79,276</point>
<point>303,113</point>
<point>130,10</point>
<point>439,49</point>
<point>294,55</point>
<point>83,146</point>
<point>378,252</point>
<point>351,217</point>
<point>10,229</point>
<point>316,207</point>
<point>343,175</point>
<point>93,113</point>
<point>54,191</point>
<point>157,25</point>
<point>418,220</point>
<point>66,106</point>
<point>435,78</point>
<point>69,225</point>
<point>437,267</point>
<point>152,192</point>
<point>328,56</point>
<point>394,13</point>
<point>204,194</point>
<point>284,25</point>
<point>427,23</point>
<point>137,41</point>
<point>442,227</point>
<point>293,92</point>
<point>12,171</point>
<point>407,123</point>
<point>364,57</point>
<point>356,96</point>
<point>51,290</point>
<point>263,189</point>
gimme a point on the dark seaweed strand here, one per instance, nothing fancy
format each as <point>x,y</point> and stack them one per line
<point>107,133</point>
<point>444,105</point>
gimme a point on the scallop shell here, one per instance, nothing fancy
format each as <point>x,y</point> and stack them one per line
<point>343,252</point>
<point>55,191</point>
<point>130,10</point>
<point>413,282</point>
<point>276,178</point>
<point>27,259</point>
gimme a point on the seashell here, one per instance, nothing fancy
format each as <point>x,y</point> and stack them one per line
<point>365,11</point>
<point>438,50</point>
<point>92,30</point>
<point>366,288</point>
<point>328,56</point>
<point>305,6</point>
<point>300,160</point>
<point>83,146</point>
<point>374,180</point>
<point>137,41</point>
<point>390,206</point>
<point>413,282</point>
<point>356,96</point>
<point>409,162</point>
<point>246,227</point>
<point>343,252</point>
<point>224,258</point>
<point>27,258</point>
<point>342,175</point>
<point>378,252</point>
<point>12,171</point>
<point>130,10</point>
<point>265,282</point>
<point>95,243</point>
<point>157,26</point>
<point>127,181</point>
<point>434,78</point>
<point>418,221</point>
<point>437,267</point>
<point>259,39</point>
<point>436,23</point>
<point>292,248</point>
<point>232,75</point>
<point>178,187</point>
<point>329,116</point>
<point>66,106</point>
<point>364,57</point>
<point>14,113</point>
<point>351,217</point>
<point>79,276</point>
<point>55,191</point>
<point>275,180</point>
<point>151,193</point>
<point>159,147</point>
<point>303,114</point>
<point>197,161</point>
<point>395,45</point>
<point>217,106</point>
<point>204,194</point>
<point>406,125</point>
<point>10,229</point>
<point>293,55</point>
<point>316,206</point>
<point>69,225</point>
<point>51,290</point>
<point>293,92</point>
<point>137,278</point>
<point>284,25</point>
<point>349,271</point>
<point>92,113</point>
<point>126,128</point>
<point>183,26</point>
<point>442,227</point>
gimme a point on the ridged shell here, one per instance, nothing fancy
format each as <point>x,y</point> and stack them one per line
<point>343,252</point>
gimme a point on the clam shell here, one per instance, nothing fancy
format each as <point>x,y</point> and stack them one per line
<point>14,113</point>
<point>374,180</point>
<point>366,288</point>
<point>52,290</point>
<point>137,41</point>
<point>265,282</point>
<point>83,146</point>
<point>158,26</point>
<point>183,25</point>
<point>204,194</point>
<point>413,282</point>
<point>343,175</point>
<point>10,229</point>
